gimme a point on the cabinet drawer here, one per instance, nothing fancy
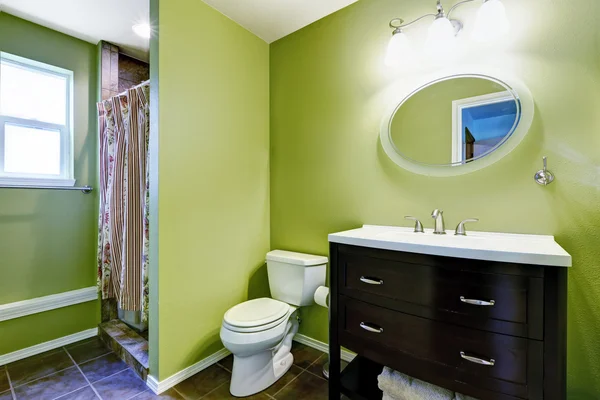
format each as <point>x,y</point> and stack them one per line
<point>502,303</point>
<point>490,361</point>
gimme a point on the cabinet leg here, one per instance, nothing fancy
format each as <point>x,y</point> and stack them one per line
<point>334,372</point>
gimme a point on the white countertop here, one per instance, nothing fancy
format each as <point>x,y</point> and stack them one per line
<point>504,247</point>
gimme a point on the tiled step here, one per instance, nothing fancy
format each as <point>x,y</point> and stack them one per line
<point>127,344</point>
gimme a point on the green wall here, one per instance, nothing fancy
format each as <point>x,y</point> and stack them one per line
<point>329,172</point>
<point>48,238</point>
<point>212,208</point>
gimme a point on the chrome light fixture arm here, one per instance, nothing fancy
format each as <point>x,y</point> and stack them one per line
<point>398,23</point>
<point>460,4</point>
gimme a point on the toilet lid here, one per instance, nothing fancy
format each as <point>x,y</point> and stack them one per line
<point>256,312</point>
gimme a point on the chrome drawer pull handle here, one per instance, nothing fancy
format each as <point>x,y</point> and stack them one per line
<point>374,329</point>
<point>477,302</point>
<point>371,281</point>
<point>476,360</point>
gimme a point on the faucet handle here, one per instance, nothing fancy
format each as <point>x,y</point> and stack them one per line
<point>460,229</point>
<point>418,224</point>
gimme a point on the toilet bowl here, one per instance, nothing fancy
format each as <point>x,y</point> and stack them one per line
<point>259,332</point>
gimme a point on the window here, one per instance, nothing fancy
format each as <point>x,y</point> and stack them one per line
<point>35,123</point>
<point>480,124</point>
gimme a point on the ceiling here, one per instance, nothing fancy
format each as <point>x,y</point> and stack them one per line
<point>273,19</point>
<point>111,20</point>
<point>89,20</point>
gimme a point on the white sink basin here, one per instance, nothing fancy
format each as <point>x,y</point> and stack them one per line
<point>505,247</point>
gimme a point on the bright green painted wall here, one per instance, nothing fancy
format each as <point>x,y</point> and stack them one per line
<point>422,128</point>
<point>213,169</point>
<point>33,329</point>
<point>329,173</point>
<point>48,238</point>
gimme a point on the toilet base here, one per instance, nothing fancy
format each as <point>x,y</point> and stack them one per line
<point>254,374</point>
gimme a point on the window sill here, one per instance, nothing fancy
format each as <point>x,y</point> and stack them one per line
<point>31,182</point>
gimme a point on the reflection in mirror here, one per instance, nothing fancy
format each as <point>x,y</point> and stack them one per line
<point>454,121</point>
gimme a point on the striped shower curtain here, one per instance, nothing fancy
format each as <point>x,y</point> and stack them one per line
<point>123,220</point>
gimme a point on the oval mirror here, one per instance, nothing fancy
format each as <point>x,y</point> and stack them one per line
<point>455,124</point>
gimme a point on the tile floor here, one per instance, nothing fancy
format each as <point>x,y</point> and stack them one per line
<point>89,370</point>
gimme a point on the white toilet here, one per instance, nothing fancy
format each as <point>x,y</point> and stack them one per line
<point>259,332</point>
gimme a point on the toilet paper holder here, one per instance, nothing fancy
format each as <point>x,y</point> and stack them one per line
<point>321,296</point>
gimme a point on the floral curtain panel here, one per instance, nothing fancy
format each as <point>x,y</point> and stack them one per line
<point>124,184</point>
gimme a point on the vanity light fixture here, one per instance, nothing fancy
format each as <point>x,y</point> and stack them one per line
<point>399,49</point>
<point>491,23</point>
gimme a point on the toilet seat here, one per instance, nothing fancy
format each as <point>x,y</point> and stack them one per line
<point>259,328</point>
<point>244,344</point>
<point>256,315</point>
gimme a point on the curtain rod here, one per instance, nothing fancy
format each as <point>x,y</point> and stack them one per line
<point>84,189</point>
<point>133,87</point>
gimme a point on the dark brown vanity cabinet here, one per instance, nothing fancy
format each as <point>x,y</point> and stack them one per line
<point>490,330</point>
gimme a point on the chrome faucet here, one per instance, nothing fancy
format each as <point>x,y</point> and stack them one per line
<point>438,215</point>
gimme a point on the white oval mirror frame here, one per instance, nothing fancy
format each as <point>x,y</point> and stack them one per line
<point>404,89</point>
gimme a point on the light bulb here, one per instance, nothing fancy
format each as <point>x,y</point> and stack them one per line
<point>442,38</point>
<point>491,22</point>
<point>399,51</point>
<point>143,30</point>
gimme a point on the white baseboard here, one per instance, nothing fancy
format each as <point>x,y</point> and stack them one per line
<point>47,303</point>
<point>322,346</point>
<point>162,386</point>
<point>159,387</point>
<point>46,346</point>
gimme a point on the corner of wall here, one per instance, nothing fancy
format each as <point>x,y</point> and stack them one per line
<point>153,344</point>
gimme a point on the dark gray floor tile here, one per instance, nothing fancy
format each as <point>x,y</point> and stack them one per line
<point>170,394</point>
<point>304,356</point>
<point>36,367</point>
<point>284,380</point>
<point>102,367</point>
<point>80,342</point>
<point>222,393</point>
<point>227,363</point>
<point>317,367</point>
<point>123,385</point>
<point>86,350</point>
<point>6,395</point>
<point>305,386</point>
<point>4,385</point>
<point>52,386</point>
<point>203,382</point>
<point>85,393</point>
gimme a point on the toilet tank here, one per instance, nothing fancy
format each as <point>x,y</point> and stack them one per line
<point>294,277</point>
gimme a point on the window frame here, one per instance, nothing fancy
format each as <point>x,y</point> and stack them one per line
<point>66,176</point>
<point>457,121</point>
